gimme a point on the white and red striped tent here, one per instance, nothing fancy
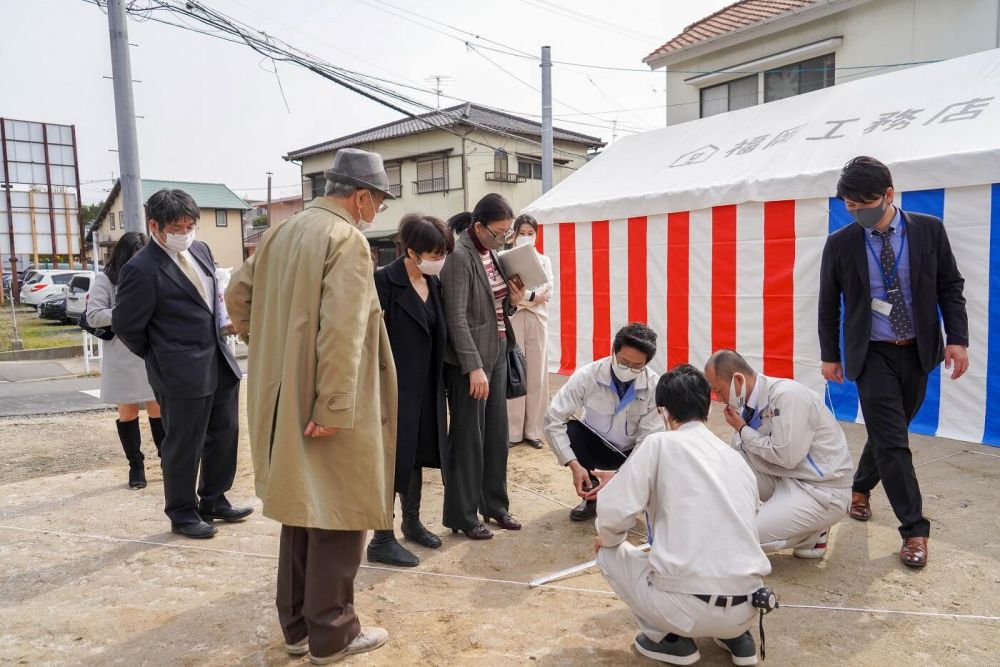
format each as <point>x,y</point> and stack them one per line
<point>711,231</point>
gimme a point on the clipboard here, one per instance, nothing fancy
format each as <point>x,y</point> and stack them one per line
<point>523,261</point>
<point>604,441</point>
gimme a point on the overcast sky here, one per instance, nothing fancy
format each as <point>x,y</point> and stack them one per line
<point>214,112</point>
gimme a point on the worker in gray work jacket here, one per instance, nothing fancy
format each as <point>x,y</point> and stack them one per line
<point>796,449</point>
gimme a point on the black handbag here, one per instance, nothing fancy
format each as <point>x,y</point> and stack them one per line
<point>104,333</point>
<point>517,381</point>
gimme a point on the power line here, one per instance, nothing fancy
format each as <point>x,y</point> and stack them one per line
<point>586,19</point>
<point>281,51</point>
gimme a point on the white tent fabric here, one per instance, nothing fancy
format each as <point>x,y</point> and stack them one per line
<point>711,231</point>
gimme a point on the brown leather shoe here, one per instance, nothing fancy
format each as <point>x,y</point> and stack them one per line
<point>480,532</point>
<point>914,551</point>
<point>860,510</point>
<point>505,521</point>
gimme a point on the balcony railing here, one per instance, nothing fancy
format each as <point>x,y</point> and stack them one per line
<point>396,189</point>
<point>430,185</point>
<point>504,177</point>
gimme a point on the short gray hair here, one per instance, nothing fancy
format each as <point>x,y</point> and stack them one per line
<point>340,189</point>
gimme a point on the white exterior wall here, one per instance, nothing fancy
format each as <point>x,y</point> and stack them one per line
<point>879,32</point>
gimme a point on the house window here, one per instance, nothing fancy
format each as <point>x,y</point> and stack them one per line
<point>729,96</point>
<point>394,172</point>
<point>432,176</point>
<point>529,169</point>
<point>500,161</point>
<point>317,185</point>
<point>798,78</point>
<point>220,219</point>
<point>111,217</point>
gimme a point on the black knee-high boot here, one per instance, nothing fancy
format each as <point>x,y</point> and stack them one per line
<point>156,426</point>
<point>131,439</point>
<point>410,501</point>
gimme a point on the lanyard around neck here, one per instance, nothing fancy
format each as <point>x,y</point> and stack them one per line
<point>888,280</point>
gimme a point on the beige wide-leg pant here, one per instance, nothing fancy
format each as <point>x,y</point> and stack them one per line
<point>796,513</point>
<point>526,415</point>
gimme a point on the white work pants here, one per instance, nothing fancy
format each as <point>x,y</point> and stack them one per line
<point>795,513</point>
<point>659,613</point>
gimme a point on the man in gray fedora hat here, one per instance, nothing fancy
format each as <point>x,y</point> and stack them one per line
<point>321,402</point>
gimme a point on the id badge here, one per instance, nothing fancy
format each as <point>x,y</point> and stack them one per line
<point>882,307</point>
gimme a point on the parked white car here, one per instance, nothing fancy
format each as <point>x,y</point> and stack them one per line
<point>77,295</point>
<point>44,283</point>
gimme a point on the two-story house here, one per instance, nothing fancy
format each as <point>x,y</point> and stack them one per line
<point>220,225</point>
<point>445,161</point>
<point>757,51</point>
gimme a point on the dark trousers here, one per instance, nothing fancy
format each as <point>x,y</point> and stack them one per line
<point>590,452</point>
<point>476,477</point>
<point>891,388</point>
<point>315,598</point>
<point>199,432</point>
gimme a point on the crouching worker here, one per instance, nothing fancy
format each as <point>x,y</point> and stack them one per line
<point>604,411</point>
<point>796,449</point>
<point>701,501</point>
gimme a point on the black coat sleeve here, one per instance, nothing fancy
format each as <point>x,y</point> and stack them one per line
<point>134,306</point>
<point>830,290</point>
<point>950,287</point>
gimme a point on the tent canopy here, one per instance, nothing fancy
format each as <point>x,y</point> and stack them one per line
<point>934,125</point>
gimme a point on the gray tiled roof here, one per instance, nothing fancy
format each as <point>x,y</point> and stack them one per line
<point>205,195</point>
<point>470,114</point>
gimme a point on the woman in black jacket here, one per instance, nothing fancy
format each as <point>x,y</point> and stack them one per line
<point>410,293</point>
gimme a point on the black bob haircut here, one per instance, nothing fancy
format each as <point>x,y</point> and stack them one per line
<point>684,393</point>
<point>425,233</point>
<point>129,244</point>
<point>863,179</point>
<point>636,335</point>
<point>491,208</point>
<point>167,206</point>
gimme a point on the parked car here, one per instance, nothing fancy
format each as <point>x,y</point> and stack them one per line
<point>77,295</point>
<point>44,283</point>
<point>53,308</point>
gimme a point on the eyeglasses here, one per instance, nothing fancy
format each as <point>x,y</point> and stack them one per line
<point>382,208</point>
<point>505,235</point>
<point>624,366</point>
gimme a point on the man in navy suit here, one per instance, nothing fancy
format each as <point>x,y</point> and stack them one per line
<point>168,312</point>
<point>896,272</point>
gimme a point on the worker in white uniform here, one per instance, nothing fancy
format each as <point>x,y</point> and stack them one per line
<point>701,501</point>
<point>604,411</point>
<point>795,447</point>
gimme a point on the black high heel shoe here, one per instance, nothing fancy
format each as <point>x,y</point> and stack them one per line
<point>480,532</point>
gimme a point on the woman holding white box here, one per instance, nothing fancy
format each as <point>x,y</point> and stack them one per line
<point>526,415</point>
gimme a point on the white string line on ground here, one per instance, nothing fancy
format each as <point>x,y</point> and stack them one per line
<point>972,451</point>
<point>510,582</point>
<point>941,459</point>
<point>559,502</point>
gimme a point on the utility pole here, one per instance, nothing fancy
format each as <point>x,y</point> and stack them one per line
<point>546,119</point>
<point>269,174</point>
<point>128,145</point>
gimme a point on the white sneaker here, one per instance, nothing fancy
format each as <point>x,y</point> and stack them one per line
<point>814,552</point>
<point>368,639</point>
<point>299,648</point>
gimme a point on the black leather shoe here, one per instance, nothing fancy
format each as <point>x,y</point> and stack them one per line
<point>385,549</point>
<point>480,532</point>
<point>505,521</point>
<point>196,531</point>
<point>534,442</point>
<point>584,511</point>
<point>225,513</point>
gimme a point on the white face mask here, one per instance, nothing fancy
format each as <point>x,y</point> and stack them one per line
<point>524,240</point>
<point>737,400</point>
<point>363,224</point>
<point>624,375</point>
<point>431,267</point>
<point>666,419</point>
<point>179,242</point>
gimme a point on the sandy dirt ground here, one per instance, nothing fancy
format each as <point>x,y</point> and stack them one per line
<point>90,574</point>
